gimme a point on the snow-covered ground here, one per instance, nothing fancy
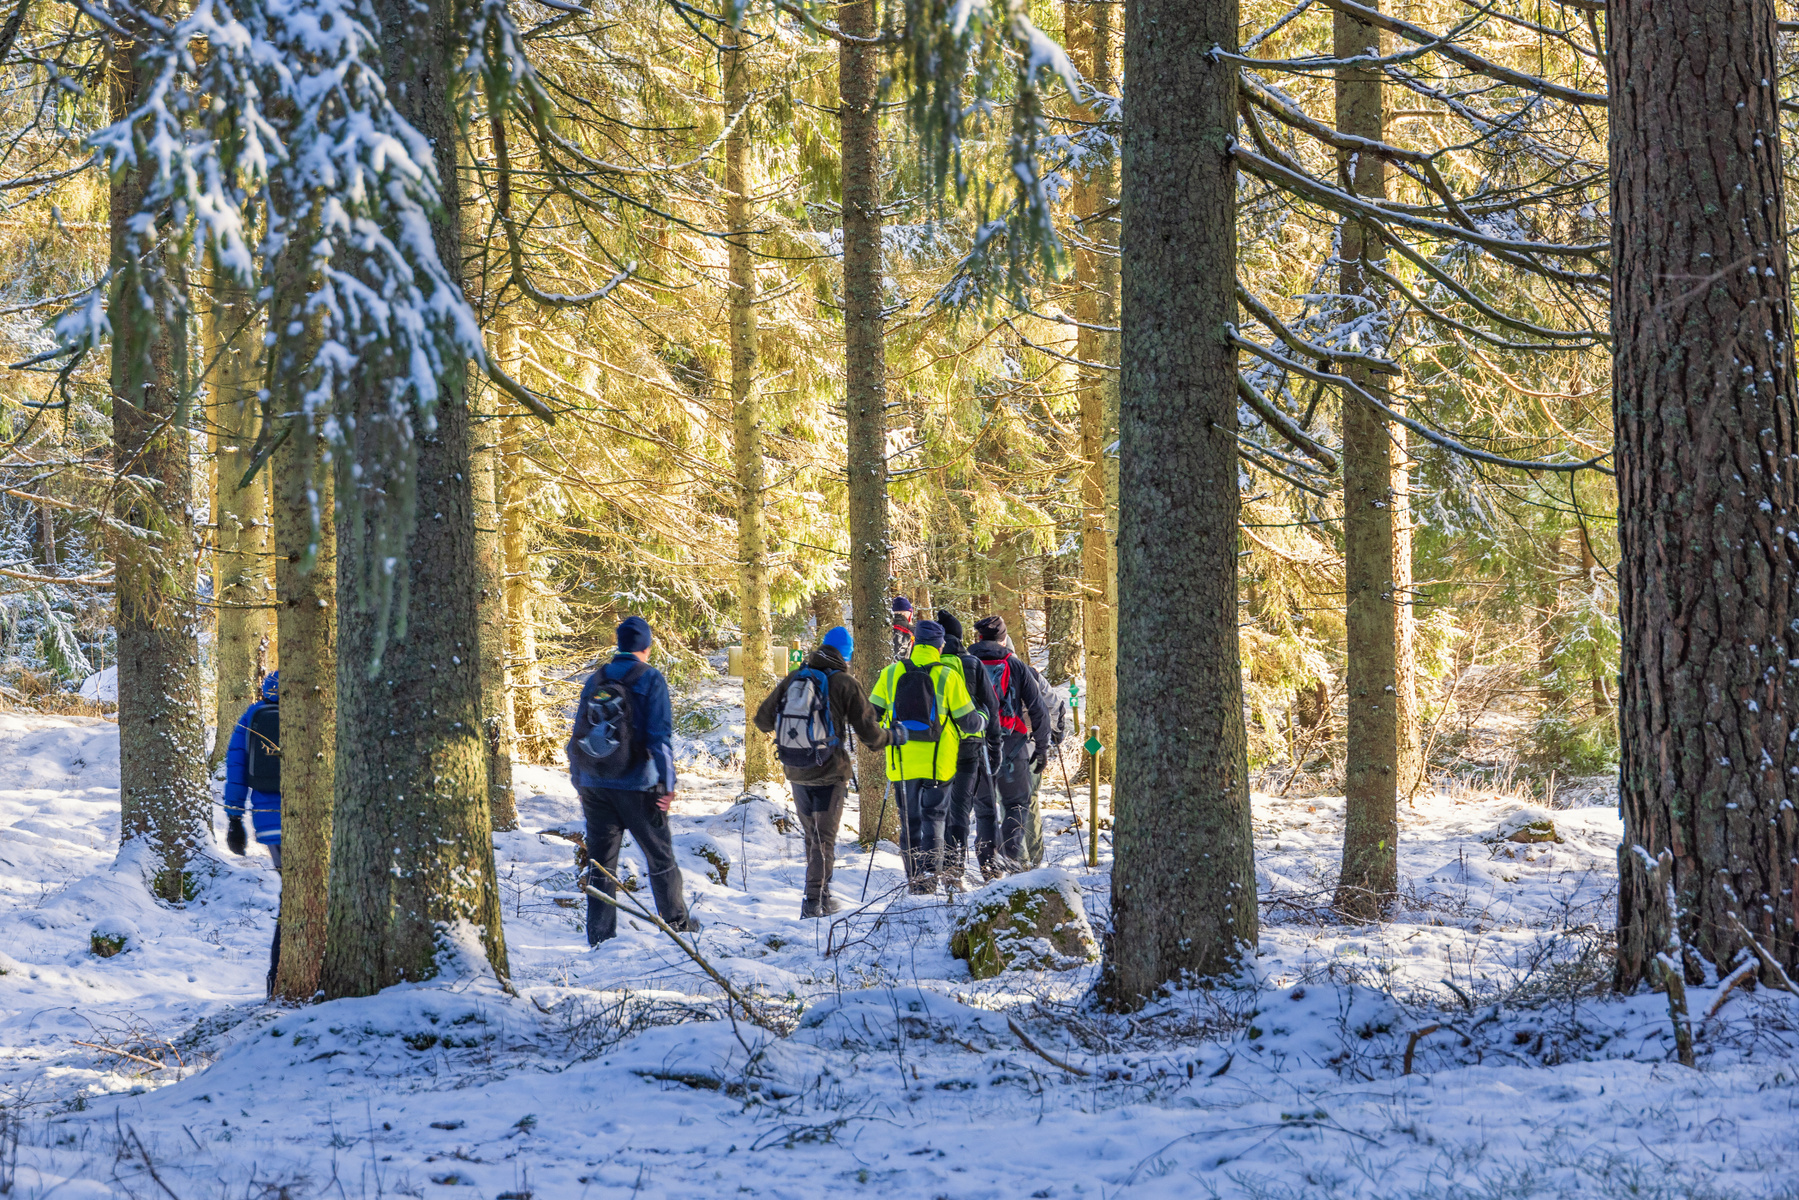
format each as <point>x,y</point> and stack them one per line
<point>616,1072</point>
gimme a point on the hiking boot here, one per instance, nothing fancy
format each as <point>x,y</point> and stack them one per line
<point>809,909</point>
<point>829,905</point>
<point>924,885</point>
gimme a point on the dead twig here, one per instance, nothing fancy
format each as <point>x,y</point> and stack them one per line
<point>637,910</point>
<point>1768,960</point>
<point>1411,1045</point>
<point>1040,1052</point>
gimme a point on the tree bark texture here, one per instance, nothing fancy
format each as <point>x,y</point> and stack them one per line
<point>1009,596</point>
<point>244,650</point>
<point>1061,609</point>
<point>536,738</point>
<point>1183,880</point>
<point>1089,27</point>
<point>759,766</point>
<point>865,368</point>
<point>412,841</point>
<point>1702,397</point>
<point>163,796</point>
<point>1370,869</point>
<point>306,623</point>
<point>490,579</point>
<point>1410,752</point>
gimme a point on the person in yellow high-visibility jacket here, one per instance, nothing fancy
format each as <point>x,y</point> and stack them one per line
<point>926,709</point>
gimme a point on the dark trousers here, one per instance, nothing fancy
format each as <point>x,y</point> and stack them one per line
<point>820,808</point>
<point>971,810</point>
<point>609,815</point>
<point>1012,775</point>
<point>275,946</point>
<point>924,806</point>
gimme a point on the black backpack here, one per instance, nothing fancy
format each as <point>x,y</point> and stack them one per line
<point>262,749</point>
<point>915,702</point>
<point>804,734</point>
<point>611,743</point>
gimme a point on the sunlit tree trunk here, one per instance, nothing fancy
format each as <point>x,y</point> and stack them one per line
<point>1410,751</point>
<point>1061,626</point>
<point>1370,870</point>
<point>1008,586</point>
<point>244,649</point>
<point>497,731</point>
<point>306,624</point>
<point>1183,878</point>
<point>412,843</point>
<point>865,364</point>
<point>164,800</point>
<point>759,765</point>
<point>1707,437</point>
<point>1089,27</point>
<point>535,738</point>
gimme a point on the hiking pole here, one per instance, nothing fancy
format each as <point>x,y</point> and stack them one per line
<point>875,841</point>
<point>1068,790</point>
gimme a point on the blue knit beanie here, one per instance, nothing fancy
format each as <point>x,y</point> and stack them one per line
<point>839,639</point>
<point>634,635</point>
<point>928,633</point>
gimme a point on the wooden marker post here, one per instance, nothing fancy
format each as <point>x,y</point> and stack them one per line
<point>1094,748</point>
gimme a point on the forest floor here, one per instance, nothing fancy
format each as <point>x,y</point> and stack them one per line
<point>160,1071</point>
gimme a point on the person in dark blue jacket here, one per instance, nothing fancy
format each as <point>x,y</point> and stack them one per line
<point>634,792</point>
<point>264,807</point>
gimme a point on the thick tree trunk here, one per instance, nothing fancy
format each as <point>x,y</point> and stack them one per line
<point>759,766</point>
<point>865,366</point>
<point>1702,395</point>
<point>164,800</point>
<point>307,626</point>
<point>412,841</point>
<point>244,649</point>
<point>497,733</point>
<point>1183,881</point>
<point>1370,870</point>
<point>1089,27</point>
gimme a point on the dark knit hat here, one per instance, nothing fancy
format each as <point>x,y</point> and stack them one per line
<point>952,627</point>
<point>928,633</point>
<point>901,604</point>
<point>634,635</point>
<point>991,628</point>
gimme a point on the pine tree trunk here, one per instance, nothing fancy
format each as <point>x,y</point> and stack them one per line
<point>497,731</point>
<point>865,366</point>
<point>412,840</point>
<point>1702,395</point>
<point>1183,880</point>
<point>244,649</point>
<point>1589,564</point>
<point>1370,870</point>
<point>1061,628</point>
<point>535,738</point>
<point>163,796</point>
<point>1410,756</point>
<point>1090,42</point>
<point>1009,598</point>
<point>759,766</point>
<point>307,626</point>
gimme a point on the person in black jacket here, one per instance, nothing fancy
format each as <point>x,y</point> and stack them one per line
<point>972,800</point>
<point>1024,734</point>
<point>819,791</point>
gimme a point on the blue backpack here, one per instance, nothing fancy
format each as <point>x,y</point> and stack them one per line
<point>611,738</point>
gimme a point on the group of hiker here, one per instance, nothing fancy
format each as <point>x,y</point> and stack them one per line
<point>966,731</point>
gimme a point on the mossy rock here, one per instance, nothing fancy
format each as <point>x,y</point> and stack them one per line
<point>1534,832</point>
<point>1030,922</point>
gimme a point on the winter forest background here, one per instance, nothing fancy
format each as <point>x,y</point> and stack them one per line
<point>1382,414</point>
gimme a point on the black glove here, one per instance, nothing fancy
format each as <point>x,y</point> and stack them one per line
<point>898,735</point>
<point>1040,763</point>
<point>235,841</point>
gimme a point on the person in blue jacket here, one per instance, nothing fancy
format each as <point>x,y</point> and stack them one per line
<point>264,806</point>
<point>633,792</point>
